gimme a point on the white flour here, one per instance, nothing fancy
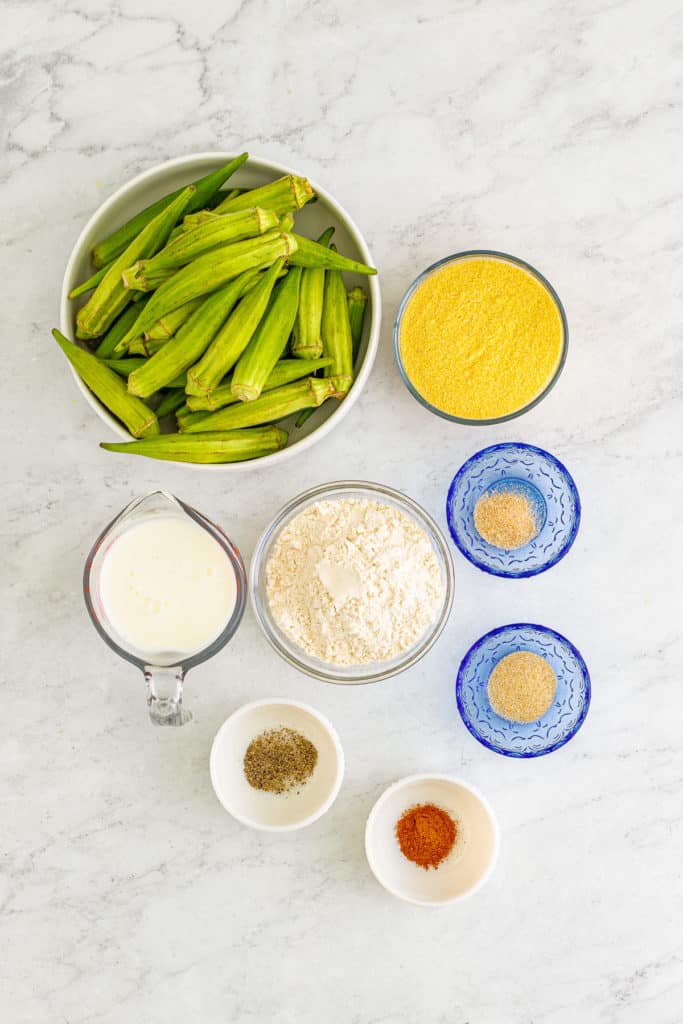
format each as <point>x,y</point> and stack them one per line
<point>353,581</point>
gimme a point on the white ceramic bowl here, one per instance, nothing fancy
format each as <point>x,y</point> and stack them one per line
<point>271,812</point>
<point>146,188</point>
<point>468,866</point>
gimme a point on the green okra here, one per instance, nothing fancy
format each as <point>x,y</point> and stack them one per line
<point>307,342</point>
<point>137,282</point>
<point>146,278</point>
<point>171,401</point>
<point>88,285</point>
<point>187,418</point>
<point>111,297</point>
<point>269,341</point>
<point>142,346</point>
<point>202,216</point>
<point>272,405</point>
<point>290,192</point>
<point>183,416</point>
<point>216,447</point>
<point>204,189</point>
<point>284,372</point>
<point>303,417</point>
<point>109,388</point>
<point>176,233</point>
<point>169,324</point>
<point>311,254</point>
<point>357,300</point>
<point>233,337</point>
<point>336,333</point>
<point>124,368</point>
<point>181,351</point>
<point>118,329</point>
<point>223,195</point>
<point>209,272</point>
<point>232,227</point>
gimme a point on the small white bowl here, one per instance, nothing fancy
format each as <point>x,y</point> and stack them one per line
<point>312,220</point>
<point>271,812</point>
<point>472,859</point>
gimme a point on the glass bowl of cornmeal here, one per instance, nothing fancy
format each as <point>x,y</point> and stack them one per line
<point>480,337</point>
<point>513,510</point>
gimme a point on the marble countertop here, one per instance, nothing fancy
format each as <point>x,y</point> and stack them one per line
<point>546,129</point>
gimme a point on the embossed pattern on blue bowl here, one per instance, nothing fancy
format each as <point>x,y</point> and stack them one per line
<point>567,712</point>
<point>518,463</point>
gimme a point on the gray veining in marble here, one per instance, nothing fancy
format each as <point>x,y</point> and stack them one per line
<point>550,129</point>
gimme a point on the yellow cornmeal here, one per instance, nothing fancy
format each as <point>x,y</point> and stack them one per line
<point>505,519</point>
<point>522,687</point>
<point>480,338</point>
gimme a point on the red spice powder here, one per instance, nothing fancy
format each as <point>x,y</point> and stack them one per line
<point>426,835</point>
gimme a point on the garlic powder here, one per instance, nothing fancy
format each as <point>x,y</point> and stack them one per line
<point>353,581</point>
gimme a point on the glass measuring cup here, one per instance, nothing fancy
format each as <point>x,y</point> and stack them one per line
<point>164,674</point>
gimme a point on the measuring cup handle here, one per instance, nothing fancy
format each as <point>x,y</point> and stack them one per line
<point>165,695</point>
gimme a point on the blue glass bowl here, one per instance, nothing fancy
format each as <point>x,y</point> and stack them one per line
<point>543,480</point>
<point>567,712</point>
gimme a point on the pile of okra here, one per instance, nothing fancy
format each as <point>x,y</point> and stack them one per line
<point>207,312</point>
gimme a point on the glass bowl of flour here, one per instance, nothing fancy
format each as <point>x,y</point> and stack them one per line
<point>352,582</point>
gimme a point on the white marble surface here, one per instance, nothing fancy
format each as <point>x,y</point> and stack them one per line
<point>553,130</point>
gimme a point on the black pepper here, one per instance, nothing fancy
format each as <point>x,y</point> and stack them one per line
<point>279,760</point>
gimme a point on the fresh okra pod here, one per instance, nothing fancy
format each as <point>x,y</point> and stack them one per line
<point>357,300</point>
<point>204,189</point>
<point>91,283</point>
<point>272,405</point>
<point>109,388</point>
<point>303,417</point>
<point>288,193</point>
<point>269,340</point>
<point>312,254</point>
<point>110,297</point>
<point>124,368</point>
<point>172,400</point>
<point>336,333</point>
<point>219,446</point>
<point>307,342</point>
<point>143,346</point>
<point>186,418</point>
<point>167,326</point>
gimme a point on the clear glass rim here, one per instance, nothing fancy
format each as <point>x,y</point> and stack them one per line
<point>185,664</point>
<point>473,254</point>
<point>584,673</point>
<point>327,673</point>
<point>512,574</point>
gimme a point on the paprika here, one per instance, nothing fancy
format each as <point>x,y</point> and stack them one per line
<point>426,835</point>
